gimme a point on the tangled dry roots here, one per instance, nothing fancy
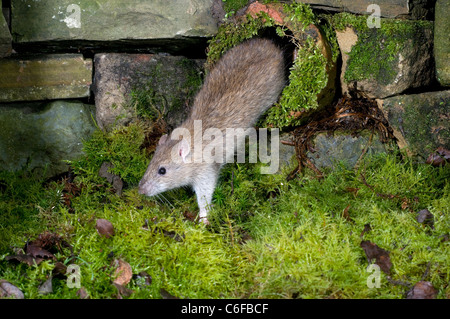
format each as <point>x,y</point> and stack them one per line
<point>349,115</point>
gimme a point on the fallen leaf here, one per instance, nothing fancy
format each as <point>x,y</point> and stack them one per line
<point>82,294</point>
<point>425,217</point>
<point>123,291</point>
<point>189,216</point>
<point>366,229</point>
<point>47,287</point>
<point>8,290</point>
<point>352,190</point>
<point>105,228</point>
<point>439,157</point>
<point>143,278</point>
<point>166,295</point>
<point>346,215</point>
<point>123,272</point>
<point>422,290</point>
<point>380,255</point>
<point>405,203</point>
<point>23,258</point>
<point>50,241</point>
<point>113,179</point>
<point>36,251</point>
<point>60,270</point>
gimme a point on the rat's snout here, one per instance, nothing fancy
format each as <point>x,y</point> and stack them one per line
<point>141,188</point>
<point>147,187</point>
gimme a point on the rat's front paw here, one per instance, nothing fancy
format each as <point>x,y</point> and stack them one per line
<point>204,220</point>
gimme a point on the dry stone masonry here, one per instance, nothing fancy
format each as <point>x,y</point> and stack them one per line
<point>68,67</point>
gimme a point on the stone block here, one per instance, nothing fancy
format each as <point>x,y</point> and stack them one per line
<point>416,9</point>
<point>442,42</point>
<point>342,147</point>
<point>166,82</point>
<point>378,65</point>
<point>421,122</point>
<point>110,20</point>
<point>5,38</point>
<point>42,135</point>
<point>45,77</point>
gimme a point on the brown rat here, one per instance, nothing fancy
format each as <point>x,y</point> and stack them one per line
<point>243,84</point>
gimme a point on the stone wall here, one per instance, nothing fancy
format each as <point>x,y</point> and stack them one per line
<point>67,67</point>
<point>64,64</point>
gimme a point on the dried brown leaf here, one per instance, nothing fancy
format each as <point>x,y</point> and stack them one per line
<point>26,259</point>
<point>345,213</point>
<point>439,157</point>
<point>47,287</point>
<point>366,229</point>
<point>166,295</point>
<point>105,228</point>
<point>8,290</point>
<point>190,216</point>
<point>147,279</point>
<point>422,290</point>
<point>380,255</point>
<point>425,217</point>
<point>123,272</point>
<point>122,291</point>
<point>36,251</point>
<point>60,270</point>
<point>82,294</point>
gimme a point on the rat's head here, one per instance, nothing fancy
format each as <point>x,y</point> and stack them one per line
<point>169,167</point>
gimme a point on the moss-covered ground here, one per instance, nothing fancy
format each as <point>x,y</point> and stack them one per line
<point>268,238</point>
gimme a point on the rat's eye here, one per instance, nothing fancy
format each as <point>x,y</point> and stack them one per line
<point>161,171</point>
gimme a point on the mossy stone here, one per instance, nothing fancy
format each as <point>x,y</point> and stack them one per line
<point>45,77</point>
<point>388,60</point>
<point>142,84</point>
<point>343,147</point>
<point>5,38</point>
<point>420,121</point>
<point>112,20</point>
<point>442,42</point>
<point>41,136</point>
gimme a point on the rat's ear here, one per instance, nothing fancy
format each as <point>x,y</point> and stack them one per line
<point>184,148</point>
<point>163,139</point>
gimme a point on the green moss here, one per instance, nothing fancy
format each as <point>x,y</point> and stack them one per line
<point>121,147</point>
<point>232,6</point>
<point>154,99</point>
<point>306,79</point>
<point>231,34</point>
<point>308,74</point>
<point>193,80</point>
<point>268,238</point>
<point>376,52</point>
<point>23,198</point>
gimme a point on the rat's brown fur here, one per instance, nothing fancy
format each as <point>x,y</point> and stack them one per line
<point>244,83</point>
